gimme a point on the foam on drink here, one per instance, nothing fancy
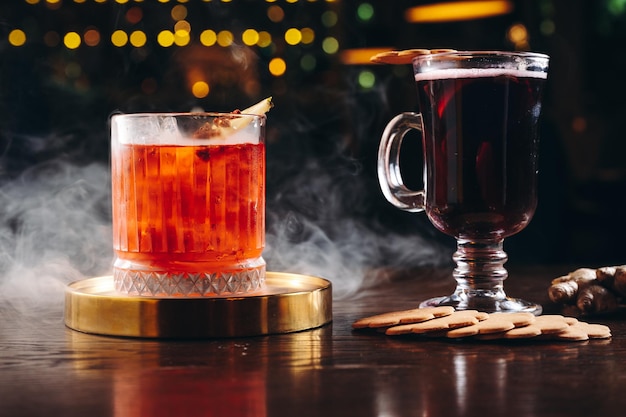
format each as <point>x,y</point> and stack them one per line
<point>455,73</point>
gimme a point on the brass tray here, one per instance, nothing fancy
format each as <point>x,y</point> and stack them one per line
<point>289,303</point>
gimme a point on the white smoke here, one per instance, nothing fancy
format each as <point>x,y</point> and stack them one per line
<point>319,225</point>
<point>55,228</point>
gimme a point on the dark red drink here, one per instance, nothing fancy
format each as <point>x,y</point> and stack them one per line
<point>480,134</point>
<point>478,115</point>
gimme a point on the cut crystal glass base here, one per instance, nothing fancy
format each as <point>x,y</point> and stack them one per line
<point>186,284</point>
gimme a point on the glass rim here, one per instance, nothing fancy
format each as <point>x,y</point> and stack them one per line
<point>486,53</point>
<point>188,115</point>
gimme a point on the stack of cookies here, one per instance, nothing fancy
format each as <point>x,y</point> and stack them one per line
<point>449,323</point>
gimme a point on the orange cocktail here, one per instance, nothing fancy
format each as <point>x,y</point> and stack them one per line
<point>188,203</point>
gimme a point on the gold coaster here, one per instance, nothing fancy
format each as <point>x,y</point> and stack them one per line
<point>289,303</point>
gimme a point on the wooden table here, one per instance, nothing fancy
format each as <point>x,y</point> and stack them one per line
<point>49,370</point>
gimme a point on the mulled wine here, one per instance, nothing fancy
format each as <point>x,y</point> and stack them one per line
<point>478,115</point>
<point>481,145</point>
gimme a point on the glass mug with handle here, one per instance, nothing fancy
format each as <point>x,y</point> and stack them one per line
<point>479,114</point>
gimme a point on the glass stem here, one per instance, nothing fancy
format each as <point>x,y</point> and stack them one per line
<point>479,273</point>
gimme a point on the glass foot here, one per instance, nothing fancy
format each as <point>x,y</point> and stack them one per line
<point>480,276</point>
<point>485,304</point>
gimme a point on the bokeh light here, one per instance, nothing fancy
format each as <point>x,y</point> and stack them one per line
<point>225,38</point>
<point>308,35</point>
<point>518,36</point>
<point>200,89</point>
<point>138,39</point>
<point>165,38</point>
<point>71,40</point>
<point>330,45</point>
<point>275,13</point>
<point>365,12</point>
<point>366,79</point>
<point>329,18</point>
<point>265,39</point>
<point>208,37</point>
<point>119,38</point>
<point>53,4</point>
<point>293,36</point>
<point>134,15</point>
<point>17,37</point>
<point>450,11</point>
<point>277,67</point>
<point>250,37</point>
<point>91,37</point>
<point>182,37</point>
<point>179,12</point>
<point>182,25</point>
<point>308,62</point>
<point>517,33</point>
<point>616,7</point>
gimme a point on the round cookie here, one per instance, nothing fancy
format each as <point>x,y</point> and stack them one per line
<point>573,334</point>
<point>594,331</point>
<point>393,318</point>
<point>494,324</point>
<point>457,319</point>
<point>552,323</point>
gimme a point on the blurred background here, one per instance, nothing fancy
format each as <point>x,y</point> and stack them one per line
<point>67,65</point>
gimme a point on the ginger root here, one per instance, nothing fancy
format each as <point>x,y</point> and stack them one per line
<point>614,278</point>
<point>589,291</point>
<point>565,289</point>
<point>596,299</point>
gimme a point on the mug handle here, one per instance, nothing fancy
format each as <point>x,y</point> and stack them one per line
<point>389,176</point>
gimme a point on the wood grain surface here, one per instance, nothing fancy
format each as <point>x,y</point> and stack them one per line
<point>47,369</point>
